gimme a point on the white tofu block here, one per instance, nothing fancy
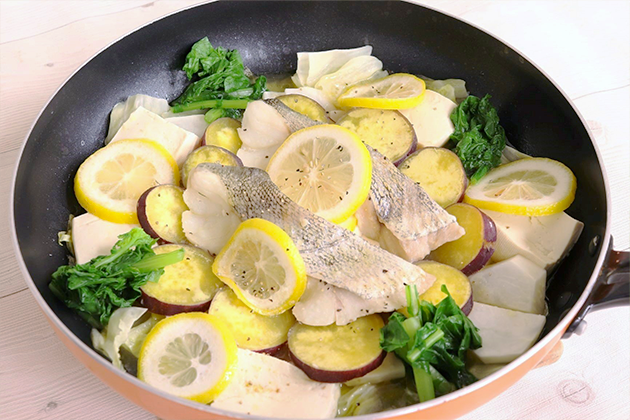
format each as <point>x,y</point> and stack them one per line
<point>269,387</point>
<point>93,237</point>
<point>143,124</point>
<point>505,334</point>
<point>544,240</point>
<point>515,283</point>
<point>431,119</point>
<point>195,124</point>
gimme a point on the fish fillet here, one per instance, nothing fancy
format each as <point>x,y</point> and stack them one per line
<point>331,253</point>
<point>411,223</point>
<point>415,224</point>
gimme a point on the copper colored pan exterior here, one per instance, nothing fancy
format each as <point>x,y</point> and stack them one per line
<point>537,116</point>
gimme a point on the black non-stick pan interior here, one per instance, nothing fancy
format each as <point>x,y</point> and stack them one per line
<point>409,38</point>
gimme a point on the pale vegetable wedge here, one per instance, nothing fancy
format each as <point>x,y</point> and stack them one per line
<point>544,240</point>
<point>505,334</point>
<point>431,119</point>
<point>354,71</point>
<point>143,124</point>
<point>265,386</point>
<point>515,283</point>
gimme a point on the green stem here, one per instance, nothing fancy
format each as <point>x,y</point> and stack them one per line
<point>212,103</point>
<point>213,114</point>
<point>424,384</point>
<point>413,304</point>
<point>411,326</point>
<point>413,355</point>
<point>155,262</point>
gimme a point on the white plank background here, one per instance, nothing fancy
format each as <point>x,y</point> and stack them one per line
<point>582,45</point>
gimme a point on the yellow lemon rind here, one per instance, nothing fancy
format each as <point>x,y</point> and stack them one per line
<point>285,241</point>
<point>350,223</point>
<point>519,210</point>
<point>105,213</point>
<point>525,210</point>
<point>345,101</point>
<point>366,176</point>
<point>230,351</point>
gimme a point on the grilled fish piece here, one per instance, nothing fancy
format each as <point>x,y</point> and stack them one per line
<point>410,223</point>
<point>331,253</point>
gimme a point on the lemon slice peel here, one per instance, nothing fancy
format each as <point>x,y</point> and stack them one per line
<point>148,353</point>
<point>150,162</point>
<point>279,247</point>
<point>325,168</point>
<point>396,91</point>
<point>526,187</point>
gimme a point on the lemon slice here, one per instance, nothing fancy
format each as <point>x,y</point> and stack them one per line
<point>397,91</point>
<point>190,355</point>
<point>263,267</point>
<point>326,169</point>
<point>527,187</point>
<point>350,223</point>
<point>110,181</point>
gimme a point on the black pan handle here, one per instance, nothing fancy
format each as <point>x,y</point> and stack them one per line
<point>612,288</point>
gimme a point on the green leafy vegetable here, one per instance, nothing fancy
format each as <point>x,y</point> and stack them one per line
<point>97,288</point>
<point>222,82</point>
<point>433,341</point>
<point>479,138</point>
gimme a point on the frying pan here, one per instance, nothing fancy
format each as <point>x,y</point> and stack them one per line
<point>537,117</point>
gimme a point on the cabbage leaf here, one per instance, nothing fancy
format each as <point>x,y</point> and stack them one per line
<point>312,66</point>
<point>126,327</point>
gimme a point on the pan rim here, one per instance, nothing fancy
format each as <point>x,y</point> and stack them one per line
<point>557,330</point>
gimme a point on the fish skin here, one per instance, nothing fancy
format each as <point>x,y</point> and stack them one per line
<point>416,227</point>
<point>295,121</point>
<point>331,253</point>
<point>415,224</point>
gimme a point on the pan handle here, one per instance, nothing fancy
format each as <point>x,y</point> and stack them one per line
<point>612,288</point>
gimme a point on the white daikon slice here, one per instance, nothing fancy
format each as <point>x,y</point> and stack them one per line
<point>516,283</point>
<point>505,334</point>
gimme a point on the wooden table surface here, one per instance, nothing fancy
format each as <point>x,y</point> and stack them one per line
<point>582,45</point>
